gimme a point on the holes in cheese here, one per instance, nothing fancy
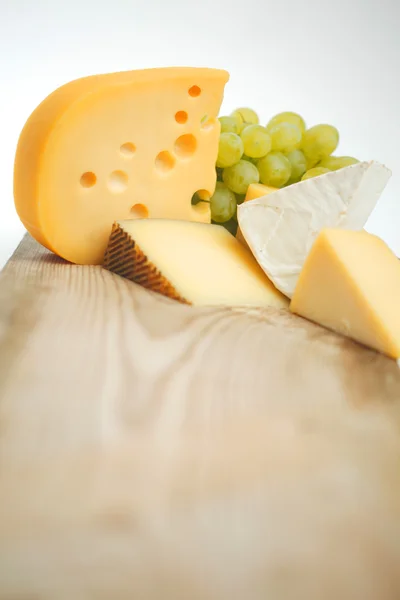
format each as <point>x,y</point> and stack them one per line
<point>88,179</point>
<point>195,263</point>
<point>118,182</point>
<point>207,123</point>
<point>203,195</point>
<point>128,149</point>
<point>185,145</point>
<point>181,116</point>
<point>98,146</point>
<point>194,91</point>
<point>164,161</point>
<point>139,211</point>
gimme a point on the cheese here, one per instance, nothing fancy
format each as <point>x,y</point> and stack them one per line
<point>256,190</point>
<point>117,146</point>
<point>350,283</point>
<point>281,228</point>
<point>195,263</point>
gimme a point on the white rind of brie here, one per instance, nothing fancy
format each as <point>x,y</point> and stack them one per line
<point>280,228</point>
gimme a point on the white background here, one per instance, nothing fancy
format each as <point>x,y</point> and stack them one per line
<point>335,62</point>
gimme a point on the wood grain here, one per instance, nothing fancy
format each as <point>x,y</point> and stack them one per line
<point>153,450</point>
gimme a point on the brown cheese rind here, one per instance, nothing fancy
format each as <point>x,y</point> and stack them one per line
<point>124,257</point>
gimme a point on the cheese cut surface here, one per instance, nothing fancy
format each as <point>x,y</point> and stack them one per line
<point>196,263</point>
<point>117,146</point>
<point>256,190</point>
<point>350,283</point>
<point>281,228</point>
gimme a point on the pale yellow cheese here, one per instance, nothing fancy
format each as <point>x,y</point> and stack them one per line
<point>117,146</point>
<point>257,190</point>
<point>196,263</point>
<point>350,283</point>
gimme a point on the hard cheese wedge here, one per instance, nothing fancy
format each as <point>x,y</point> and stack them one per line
<point>281,228</point>
<point>350,283</point>
<point>117,146</point>
<point>195,263</point>
<point>256,190</point>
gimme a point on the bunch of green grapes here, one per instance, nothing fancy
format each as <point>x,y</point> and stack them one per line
<point>280,154</point>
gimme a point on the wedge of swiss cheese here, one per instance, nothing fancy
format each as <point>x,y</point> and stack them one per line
<point>350,283</point>
<point>194,263</point>
<point>117,146</point>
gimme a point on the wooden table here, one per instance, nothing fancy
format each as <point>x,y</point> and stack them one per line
<point>151,450</point>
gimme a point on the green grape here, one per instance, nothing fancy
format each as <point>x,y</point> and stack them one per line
<point>222,204</point>
<point>240,124</point>
<point>274,169</point>
<point>230,125</point>
<point>252,160</point>
<point>319,142</point>
<point>287,117</point>
<point>230,150</point>
<point>256,141</point>
<point>240,176</point>
<point>247,115</point>
<point>285,137</point>
<point>311,163</point>
<point>315,172</point>
<point>299,165</point>
<point>337,162</point>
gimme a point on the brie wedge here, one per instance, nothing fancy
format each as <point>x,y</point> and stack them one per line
<point>280,228</point>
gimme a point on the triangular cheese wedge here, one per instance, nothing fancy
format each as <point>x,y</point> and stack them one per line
<point>194,263</point>
<point>350,283</point>
<point>280,228</point>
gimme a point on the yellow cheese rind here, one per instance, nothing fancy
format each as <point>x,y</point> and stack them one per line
<point>350,283</point>
<point>117,146</point>
<point>195,263</point>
